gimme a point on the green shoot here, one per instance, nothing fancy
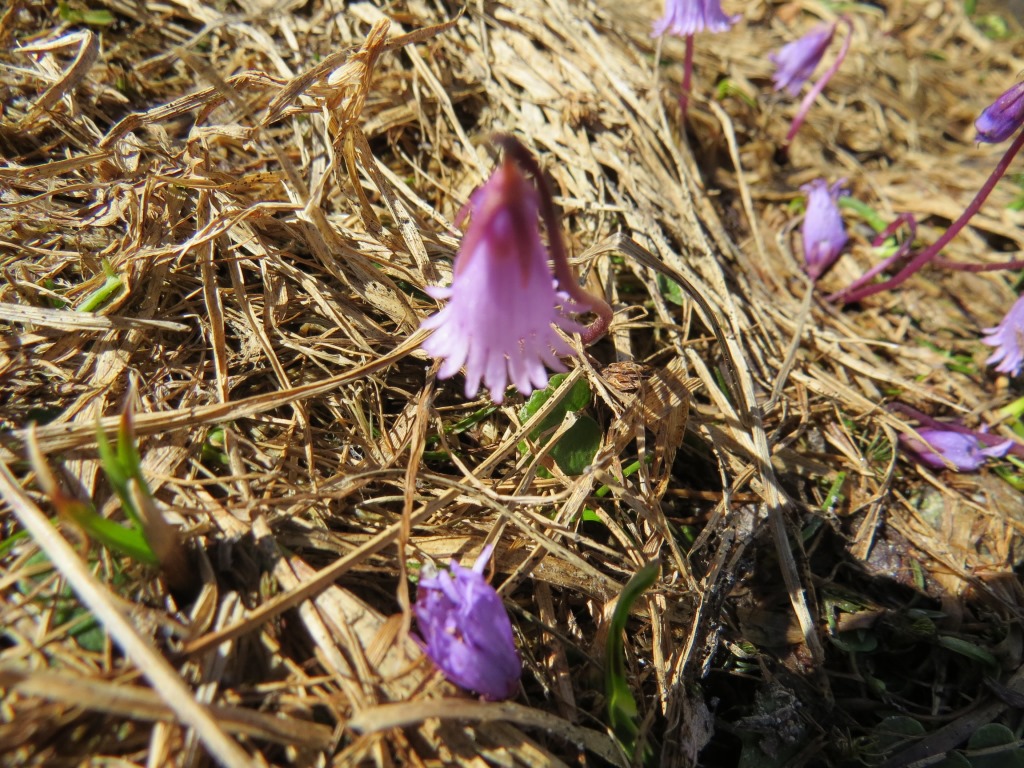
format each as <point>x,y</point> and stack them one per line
<point>622,708</point>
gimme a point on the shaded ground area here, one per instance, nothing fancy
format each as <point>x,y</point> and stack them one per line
<point>221,218</point>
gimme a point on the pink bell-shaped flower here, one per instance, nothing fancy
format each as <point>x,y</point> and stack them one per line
<point>503,306</point>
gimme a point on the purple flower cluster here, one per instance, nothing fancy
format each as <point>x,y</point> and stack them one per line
<point>964,451</point>
<point>467,631</point>
<point>688,17</point>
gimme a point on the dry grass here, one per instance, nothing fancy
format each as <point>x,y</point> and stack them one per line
<point>273,185</point>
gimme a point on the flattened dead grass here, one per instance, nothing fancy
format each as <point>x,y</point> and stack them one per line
<point>248,200</point>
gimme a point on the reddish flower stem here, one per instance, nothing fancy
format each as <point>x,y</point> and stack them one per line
<point>564,274</point>
<point>856,294</point>
<point>805,105</point>
<point>687,86</point>
<point>901,253</point>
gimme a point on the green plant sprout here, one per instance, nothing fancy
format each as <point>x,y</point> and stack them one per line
<point>147,537</point>
<point>127,540</point>
<point>111,285</point>
<point>96,18</point>
<point>622,708</point>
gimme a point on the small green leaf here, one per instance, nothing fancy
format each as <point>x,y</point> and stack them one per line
<point>855,641</point>
<point>474,418</point>
<point>896,731</point>
<point>111,285</point>
<point>727,87</point>
<point>671,290</point>
<point>993,26</point>
<point>99,18</point>
<point>576,449</point>
<point>865,211</point>
<point>112,535</point>
<point>622,709</point>
<point>969,650</point>
<point>590,516</point>
<point>989,738</point>
<point>576,399</point>
<point>834,497</point>
<point>991,735</point>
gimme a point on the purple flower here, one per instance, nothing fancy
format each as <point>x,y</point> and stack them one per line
<point>963,450</point>
<point>1003,117</point>
<point>823,230</point>
<point>795,62</point>
<point>1008,339</point>
<point>467,630</point>
<point>688,17</point>
<point>503,309</point>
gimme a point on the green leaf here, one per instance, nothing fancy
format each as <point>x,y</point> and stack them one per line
<point>111,285</point>
<point>727,88</point>
<point>576,399</point>
<point>969,650</point>
<point>590,516</point>
<point>99,18</point>
<point>671,290</point>
<point>875,220</point>
<point>989,738</point>
<point>622,709</point>
<point>896,731</point>
<point>855,641</point>
<point>474,418</point>
<point>576,449</point>
<point>112,535</point>
<point>834,497</point>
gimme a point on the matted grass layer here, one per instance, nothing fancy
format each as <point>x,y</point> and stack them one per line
<point>222,217</point>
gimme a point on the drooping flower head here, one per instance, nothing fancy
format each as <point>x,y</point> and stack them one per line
<point>503,305</point>
<point>467,630</point>
<point>1001,119</point>
<point>823,230</point>
<point>1008,339</point>
<point>963,450</point>
<point>688,17</point>
<point>796,61</point>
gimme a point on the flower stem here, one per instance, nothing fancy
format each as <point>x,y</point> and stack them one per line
<point>901,253</point>
<point>687,86</point>
<point>805,105</point>
<point>933,250</point>
<point>567,279</point>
